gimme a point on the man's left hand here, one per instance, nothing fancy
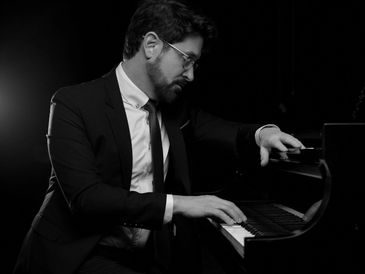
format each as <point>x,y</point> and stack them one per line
<point>273,137</point>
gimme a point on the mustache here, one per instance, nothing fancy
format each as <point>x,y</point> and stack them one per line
<point>181,82</point>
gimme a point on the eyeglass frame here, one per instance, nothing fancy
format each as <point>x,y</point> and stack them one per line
<point>187,58</point>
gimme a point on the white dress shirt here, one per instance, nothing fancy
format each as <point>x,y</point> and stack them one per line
<point>141,180</point>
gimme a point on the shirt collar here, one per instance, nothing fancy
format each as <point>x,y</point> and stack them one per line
<point>131,94</point>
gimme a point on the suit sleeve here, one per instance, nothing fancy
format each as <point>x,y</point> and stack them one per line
<point>236,138</point>
<point>74,164</point>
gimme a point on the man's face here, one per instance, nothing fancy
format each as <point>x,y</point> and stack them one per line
<point>169,73</point>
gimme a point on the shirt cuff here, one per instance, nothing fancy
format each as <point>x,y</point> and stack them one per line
<point>169,209</point>
<point>257,133</point>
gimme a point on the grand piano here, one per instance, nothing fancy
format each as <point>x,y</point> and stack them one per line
<point>308,218</point>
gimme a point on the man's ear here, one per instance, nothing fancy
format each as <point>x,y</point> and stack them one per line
<point>152,45</point>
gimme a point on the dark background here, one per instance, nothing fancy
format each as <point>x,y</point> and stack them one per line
<point>294,63</point>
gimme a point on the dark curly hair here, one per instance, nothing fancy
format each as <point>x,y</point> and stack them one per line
<point>172,20</point>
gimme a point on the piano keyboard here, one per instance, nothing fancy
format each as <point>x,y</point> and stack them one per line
<point>267,219</point>
<point>238,232</point>
<point>263,219</point>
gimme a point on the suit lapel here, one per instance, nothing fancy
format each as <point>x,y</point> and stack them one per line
<point>118,121</point>
<point>177,153</point>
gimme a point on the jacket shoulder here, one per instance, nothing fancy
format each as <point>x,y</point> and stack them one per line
<point>86,92</point>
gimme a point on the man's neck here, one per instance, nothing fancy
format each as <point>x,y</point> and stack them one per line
<point>135,69</point>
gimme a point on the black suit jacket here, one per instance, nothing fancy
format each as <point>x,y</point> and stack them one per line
<point>91,155</point>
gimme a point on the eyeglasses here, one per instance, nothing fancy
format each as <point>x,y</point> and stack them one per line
<point>189,61</point>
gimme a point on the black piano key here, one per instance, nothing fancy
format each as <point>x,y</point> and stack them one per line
<point>266,219</point>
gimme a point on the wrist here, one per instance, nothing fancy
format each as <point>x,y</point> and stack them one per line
<point>176,209</point>
<point>261,131</point>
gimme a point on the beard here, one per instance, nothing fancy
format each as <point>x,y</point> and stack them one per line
<point>165,92</point>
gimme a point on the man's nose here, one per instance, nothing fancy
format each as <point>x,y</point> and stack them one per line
<point>189,74</point>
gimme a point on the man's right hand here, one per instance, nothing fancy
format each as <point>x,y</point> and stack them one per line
<point>208,206</point>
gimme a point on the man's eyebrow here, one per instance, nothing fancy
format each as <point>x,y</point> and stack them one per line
<point>192,55</point>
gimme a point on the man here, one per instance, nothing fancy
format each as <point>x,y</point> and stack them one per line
<point>116,203</point>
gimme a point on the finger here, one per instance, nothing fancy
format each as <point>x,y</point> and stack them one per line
<point>233,211</point>
<point>240,216</point>
<point>229,208</point>
<point>217,213</point>
<point>264,155</point>
<point>280,146</point>
<point>285,140</point>
<point>291,141</point>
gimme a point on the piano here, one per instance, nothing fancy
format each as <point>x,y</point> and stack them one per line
<point>308,218</point>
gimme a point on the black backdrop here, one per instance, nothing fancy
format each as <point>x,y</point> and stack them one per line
<point>294,63</point>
